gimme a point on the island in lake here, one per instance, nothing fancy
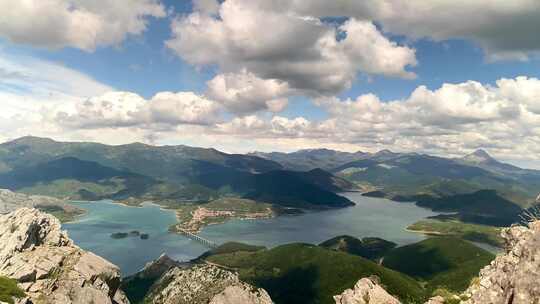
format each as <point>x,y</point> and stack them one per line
<point>133,233</point>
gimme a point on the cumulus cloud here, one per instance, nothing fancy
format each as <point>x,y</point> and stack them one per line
<point>125,109</point>
<point>244,92</point>
<point>504,29</point>
<point>83,24</point>
<point>42,98</point>
<point>451,120</point>
<point>302,51</point>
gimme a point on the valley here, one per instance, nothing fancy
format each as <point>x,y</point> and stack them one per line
<point>206,187</point>
<point>266,213</point>
<point>370,217</point>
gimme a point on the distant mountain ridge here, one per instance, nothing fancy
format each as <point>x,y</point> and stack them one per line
<point>309,159</point>
<point>429,179</point>
<point>83,170</point>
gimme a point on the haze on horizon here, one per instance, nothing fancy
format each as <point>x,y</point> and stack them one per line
<point>245,75</point>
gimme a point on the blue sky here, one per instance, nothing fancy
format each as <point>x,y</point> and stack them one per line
<point>374,56</point>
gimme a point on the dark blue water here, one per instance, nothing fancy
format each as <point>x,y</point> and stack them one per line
<point>370,217</point>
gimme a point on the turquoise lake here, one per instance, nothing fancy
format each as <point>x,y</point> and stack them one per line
<point>371,217</point>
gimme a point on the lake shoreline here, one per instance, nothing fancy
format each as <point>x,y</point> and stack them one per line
<point>370,217</point>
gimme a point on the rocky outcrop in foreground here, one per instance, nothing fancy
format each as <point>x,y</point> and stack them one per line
<point>366,291</point>
<point>203,284</point>
<point>49,267</point>
<point>512,278</point>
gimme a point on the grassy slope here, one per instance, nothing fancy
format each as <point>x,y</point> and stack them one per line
<point>302,273</point>
<point>449,227</point>
<point>369,248</point>
<point>9,289</point>
<point>444,262</point>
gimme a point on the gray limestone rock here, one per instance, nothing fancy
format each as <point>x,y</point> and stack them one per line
<point>366,291</point>
<point>203,284</point>
<point>49,267</point>
<point>513,277</point>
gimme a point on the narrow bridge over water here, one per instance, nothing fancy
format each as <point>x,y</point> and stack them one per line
<point>199,239</point>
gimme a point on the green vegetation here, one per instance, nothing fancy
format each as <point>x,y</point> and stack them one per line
<point>413,176</point>
<point>369,248</point>
<point>231,247</point>
<point>9,290</point>
<point>481,207</point>
<point>448,226</point>
<point>287,188</point>
<point>136,288</point>
<point>167,175</point>
<point>65,215</point>
<point>134,233</point>
<point>119,235</point>
<point>73,189</point>
<point>374,193</point>
<point>441,262</point>
<point>303,273</point>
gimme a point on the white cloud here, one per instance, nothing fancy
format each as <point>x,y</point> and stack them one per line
<point>83,24</point>
<point>47,99</point>
<point>246,93</point>
<point>125,109</point>
<point>504,29</point>
<point>282,45</point>
<point>31,76</point>
<point>451,120</point>
<point>373,53</point>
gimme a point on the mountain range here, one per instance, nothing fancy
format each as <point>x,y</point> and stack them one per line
<point>477,187</point>
<point>93,171</point>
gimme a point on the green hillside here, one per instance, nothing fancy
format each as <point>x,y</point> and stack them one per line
<point>369,248</point>
<point>442,262</point>
<point>409,176</point>
<point>448,225</point>
<point>75,178</point>
<point>482,207</point>
<point>168,174</point>
<point>303,273</point>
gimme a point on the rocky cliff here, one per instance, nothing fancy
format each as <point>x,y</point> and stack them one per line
<point>198,284</point>
<point>512,278</point>
<point>49,267</point>
<point>366,291</point>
